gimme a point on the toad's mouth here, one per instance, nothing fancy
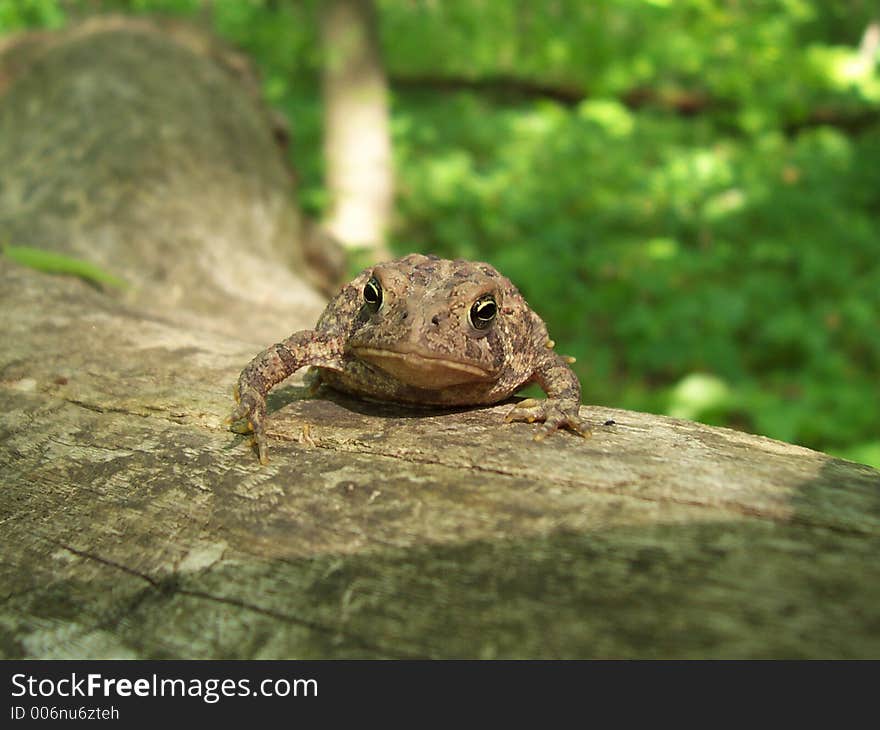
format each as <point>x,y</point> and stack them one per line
<point>423,371</point>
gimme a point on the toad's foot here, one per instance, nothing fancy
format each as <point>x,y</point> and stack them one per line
<point>252,406</point>
<point>554,415</point>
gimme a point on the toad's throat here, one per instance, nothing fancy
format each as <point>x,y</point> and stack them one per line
<point>423,371</point>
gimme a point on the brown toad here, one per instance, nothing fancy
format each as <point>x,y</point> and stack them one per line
<point>423,331</point>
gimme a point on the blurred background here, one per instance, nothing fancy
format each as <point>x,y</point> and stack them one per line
<point>687,192</point>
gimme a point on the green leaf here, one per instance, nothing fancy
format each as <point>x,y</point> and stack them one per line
<point>55,263</point>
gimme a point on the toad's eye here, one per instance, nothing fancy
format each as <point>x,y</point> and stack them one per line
<point>483,312</point>
<point>373,294</point>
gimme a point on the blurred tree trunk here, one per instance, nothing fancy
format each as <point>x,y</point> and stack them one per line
<point>356,127</point>
<point>870,43</point>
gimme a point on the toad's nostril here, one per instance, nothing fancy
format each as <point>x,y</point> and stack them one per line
<point>404,315</point>
<point>435,319</point>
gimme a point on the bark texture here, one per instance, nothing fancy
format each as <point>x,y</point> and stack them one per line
<point>146,150</point>
<point>134,524</point>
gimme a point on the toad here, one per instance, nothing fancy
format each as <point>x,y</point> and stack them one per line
<point>424,331</point>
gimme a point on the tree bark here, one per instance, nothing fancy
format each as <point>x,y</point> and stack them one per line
<point>357,136</point>
<point>145,149</point>
<point>133,523</point>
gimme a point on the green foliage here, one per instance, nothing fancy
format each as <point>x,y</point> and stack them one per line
<point>702,231</point>
<point>658,249</point>
<point>54,263</point>
<point>720,266</point>
<point>18,14</point>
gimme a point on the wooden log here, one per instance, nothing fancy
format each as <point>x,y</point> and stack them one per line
<point>133,523</point>
<point>145,149</point>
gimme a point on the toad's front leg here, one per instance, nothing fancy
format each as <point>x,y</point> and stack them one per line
<point>272,366</point>
<point>560,408</point>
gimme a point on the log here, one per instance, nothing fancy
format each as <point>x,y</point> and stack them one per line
<point>134,524</point>
<point>145,149</point>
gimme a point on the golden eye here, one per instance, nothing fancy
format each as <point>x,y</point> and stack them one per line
<point>373,294</point>
<point>483,312</point>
